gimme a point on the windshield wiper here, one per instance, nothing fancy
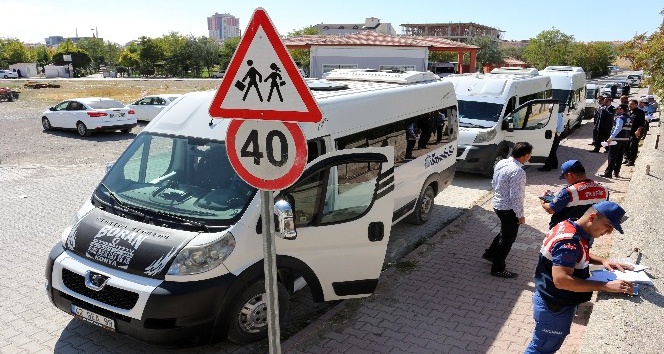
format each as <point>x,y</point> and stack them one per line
<point>466,124</point>
<point>142,213</point>
<point>117,200</point>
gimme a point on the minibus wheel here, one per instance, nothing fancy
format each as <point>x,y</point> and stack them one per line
<point>248,318</point>
<point>423,207</point>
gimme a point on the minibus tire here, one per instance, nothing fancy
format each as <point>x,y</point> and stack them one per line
<point>253,299</point>
<point>423,207</point>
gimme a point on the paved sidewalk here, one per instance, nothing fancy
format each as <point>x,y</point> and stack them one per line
<point>441,299</point>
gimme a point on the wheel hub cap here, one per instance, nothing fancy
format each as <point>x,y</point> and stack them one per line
<point>253,316</point>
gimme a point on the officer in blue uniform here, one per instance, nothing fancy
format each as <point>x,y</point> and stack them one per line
<point>562,270</point>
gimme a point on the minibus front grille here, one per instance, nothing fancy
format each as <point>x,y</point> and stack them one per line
<point>110,295</point>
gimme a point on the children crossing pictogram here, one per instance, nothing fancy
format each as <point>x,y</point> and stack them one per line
<point>262,64</point>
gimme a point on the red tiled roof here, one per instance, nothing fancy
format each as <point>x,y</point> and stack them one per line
<point>371,38</point>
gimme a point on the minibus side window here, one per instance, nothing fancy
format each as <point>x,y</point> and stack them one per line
<point>315,148</point>
<point>511,104</point>
<point>306,198</point>
<point>353,194</point>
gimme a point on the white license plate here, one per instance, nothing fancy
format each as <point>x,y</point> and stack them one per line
<point>116,115</point>
<point>96,319</point>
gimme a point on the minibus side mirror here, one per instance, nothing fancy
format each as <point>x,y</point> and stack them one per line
<point>285,223</point>
<point>507,124</point>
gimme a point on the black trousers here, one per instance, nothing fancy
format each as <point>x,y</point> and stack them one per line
<point>410,145</point>
<point>615,157</point>
<point>633,149</point>
<point>599,137</point>
<point>552,160</point>
<point>502,243</point>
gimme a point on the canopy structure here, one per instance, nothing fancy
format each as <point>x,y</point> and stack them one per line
<point>374,39</point>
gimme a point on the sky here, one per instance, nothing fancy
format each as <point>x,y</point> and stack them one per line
<point>121,21</point>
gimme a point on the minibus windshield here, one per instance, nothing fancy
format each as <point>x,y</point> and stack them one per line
<point>479,110</point>
<point>179,179</point>
<point>590,93</point>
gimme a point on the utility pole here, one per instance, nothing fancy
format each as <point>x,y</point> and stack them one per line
<point>662,13</point>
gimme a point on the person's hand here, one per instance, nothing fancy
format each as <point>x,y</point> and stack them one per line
<point>617,266</point>
<point>638,135</point>
<point>608,141</point>
<point>619,286</point>
<point>521,220</point>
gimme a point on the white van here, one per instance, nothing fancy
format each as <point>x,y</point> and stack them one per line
<point>569,87</point>
<point>592,94</point>
<point>494,114</point>
<point>168,249</point>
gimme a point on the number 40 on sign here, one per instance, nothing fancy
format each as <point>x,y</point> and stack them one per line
<point>272,154</point>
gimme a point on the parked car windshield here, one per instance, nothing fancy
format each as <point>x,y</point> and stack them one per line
<point>105,104</point>
<point>479,110</point>
<point>180,177</point>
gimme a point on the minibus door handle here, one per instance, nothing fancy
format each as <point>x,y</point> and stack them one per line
<point>376,231</point>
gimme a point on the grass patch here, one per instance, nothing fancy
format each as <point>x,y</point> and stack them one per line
<point>406,266</point>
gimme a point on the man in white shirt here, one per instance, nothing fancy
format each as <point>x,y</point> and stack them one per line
<point>509,191</point>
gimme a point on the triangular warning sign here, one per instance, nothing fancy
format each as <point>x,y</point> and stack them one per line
<point>262,81</point>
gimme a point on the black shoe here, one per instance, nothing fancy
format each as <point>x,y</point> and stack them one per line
<point>592,143</point>
<point>625,162</point>
<point>596,150</point>
<point>629,164</point>
<point>487,257</point>
<point>605,175</point>
<point>544,169</point>
<point>615,175</point>
<point>505,274</point>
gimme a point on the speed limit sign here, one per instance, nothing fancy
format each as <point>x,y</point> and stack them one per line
<point>268,155</point>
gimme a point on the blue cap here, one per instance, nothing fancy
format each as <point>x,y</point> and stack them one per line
<point>568,165</point>
<point>613,212</point>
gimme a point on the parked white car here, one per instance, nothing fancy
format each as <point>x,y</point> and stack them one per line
<point>219,74</point>
<point>8,74</point>
<point>87,115</point>
<point>148,107</point>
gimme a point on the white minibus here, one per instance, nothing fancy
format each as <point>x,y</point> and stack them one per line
<point>168,249</point>
<point>488,105</point>
<point>569,87</point>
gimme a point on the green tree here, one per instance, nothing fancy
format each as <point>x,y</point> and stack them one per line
<point>512,52</point>
<point>44,55</point>
<point>13,51</point>
<point>129,60</point>
<point>550,47</point>
<point>95,48</point>
<point>112,53</point>
<point>442,57</point>
<point>205,53</point>
<point>227,50</point>
<point>489,52</point>
<point>593,57</point>
<point>646,53</point>
<point>151,52</point>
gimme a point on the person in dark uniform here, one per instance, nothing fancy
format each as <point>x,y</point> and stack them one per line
<point>614,91</point>
<point>411,139</point>
<point>638,122</point>
<point>575,198</point>
<point>563,269</point>
<point>617,141</point>
<point>603,123</point>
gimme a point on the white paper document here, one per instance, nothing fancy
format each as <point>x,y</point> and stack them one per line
<point>628,275</point>
<point>605,144</point>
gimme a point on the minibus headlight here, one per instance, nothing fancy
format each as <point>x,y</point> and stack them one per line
<point>486,135</point>
<point>199,259</point>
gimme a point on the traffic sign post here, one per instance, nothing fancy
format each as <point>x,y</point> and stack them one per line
<point>264,93</point>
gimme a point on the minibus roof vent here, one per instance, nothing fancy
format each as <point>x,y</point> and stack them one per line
<point>387,76</point>
<point>576,69</point>
<point>325,85</point>
<point>515,71</point>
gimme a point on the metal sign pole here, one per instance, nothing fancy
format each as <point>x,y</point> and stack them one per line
<point>270,269</point>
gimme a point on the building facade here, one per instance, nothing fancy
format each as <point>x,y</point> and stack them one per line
<point>460,32</point>
<point>223,26</point>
